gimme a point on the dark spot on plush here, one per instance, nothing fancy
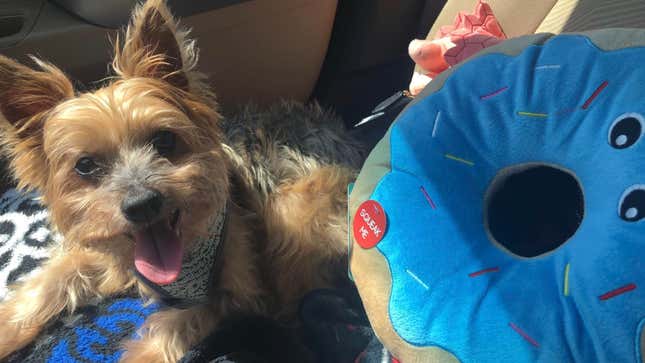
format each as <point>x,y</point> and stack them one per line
<point>632,206</point>
<point>625,132</point>
<point>534,209</point>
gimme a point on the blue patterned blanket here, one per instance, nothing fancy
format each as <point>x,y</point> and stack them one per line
<point>93,332</point>
<point>335,328</point>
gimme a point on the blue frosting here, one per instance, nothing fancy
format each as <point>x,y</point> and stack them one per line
<point>494,112</point>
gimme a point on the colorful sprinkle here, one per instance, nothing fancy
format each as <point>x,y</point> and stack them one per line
<point>618,291</point>
<point>524,335</point>
<point>436,124</point>
<point>532,114</point>
<point>423,190</point>
<point>415,277</point>
<point>548,66</point>
<point>595,94</point>
<point>455,158</point>
<point>566,279</point>
<point>484,271</point>
<point>493,94</point>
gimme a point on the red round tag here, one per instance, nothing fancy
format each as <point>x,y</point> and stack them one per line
<point>369,224</point>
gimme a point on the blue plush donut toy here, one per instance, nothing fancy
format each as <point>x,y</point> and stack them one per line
<point>502,217</point>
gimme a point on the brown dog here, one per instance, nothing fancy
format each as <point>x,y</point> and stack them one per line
<point>153,191</point>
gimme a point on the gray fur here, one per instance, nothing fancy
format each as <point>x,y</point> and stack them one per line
<point>136,167</point>
<point>287,141</point>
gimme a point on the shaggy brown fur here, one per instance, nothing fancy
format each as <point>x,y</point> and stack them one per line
<point>280,172</point>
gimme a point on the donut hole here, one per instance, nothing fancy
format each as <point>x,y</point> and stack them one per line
<point>532,209</point>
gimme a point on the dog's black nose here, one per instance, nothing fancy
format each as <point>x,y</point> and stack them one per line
<point>142,204</point>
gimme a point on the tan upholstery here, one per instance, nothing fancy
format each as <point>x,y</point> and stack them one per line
<point>258,51</point>
<point>582,15</point>
<point>264,50</point>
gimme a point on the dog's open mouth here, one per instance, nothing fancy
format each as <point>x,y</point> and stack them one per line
<point>158,252</point>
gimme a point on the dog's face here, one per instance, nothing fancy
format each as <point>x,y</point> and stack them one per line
<point>135,168</point>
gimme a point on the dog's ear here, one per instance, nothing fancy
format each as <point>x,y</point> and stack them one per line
<point>153,47</point>
<point>26,96</point>
<point>26,93</point>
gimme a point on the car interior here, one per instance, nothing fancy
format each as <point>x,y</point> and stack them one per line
<point>345,54</point>
<point>348,55</point>
<point>351,56</point>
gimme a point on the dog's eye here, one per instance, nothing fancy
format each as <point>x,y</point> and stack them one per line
<point>164,142</point>
<point>86,166</point>
<point>626,130</point>
<point>632,205</point>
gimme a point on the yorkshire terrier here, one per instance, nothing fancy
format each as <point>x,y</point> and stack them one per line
<point>153,191</point>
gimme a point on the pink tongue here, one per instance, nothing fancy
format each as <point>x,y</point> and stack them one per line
<point>158,253</point>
